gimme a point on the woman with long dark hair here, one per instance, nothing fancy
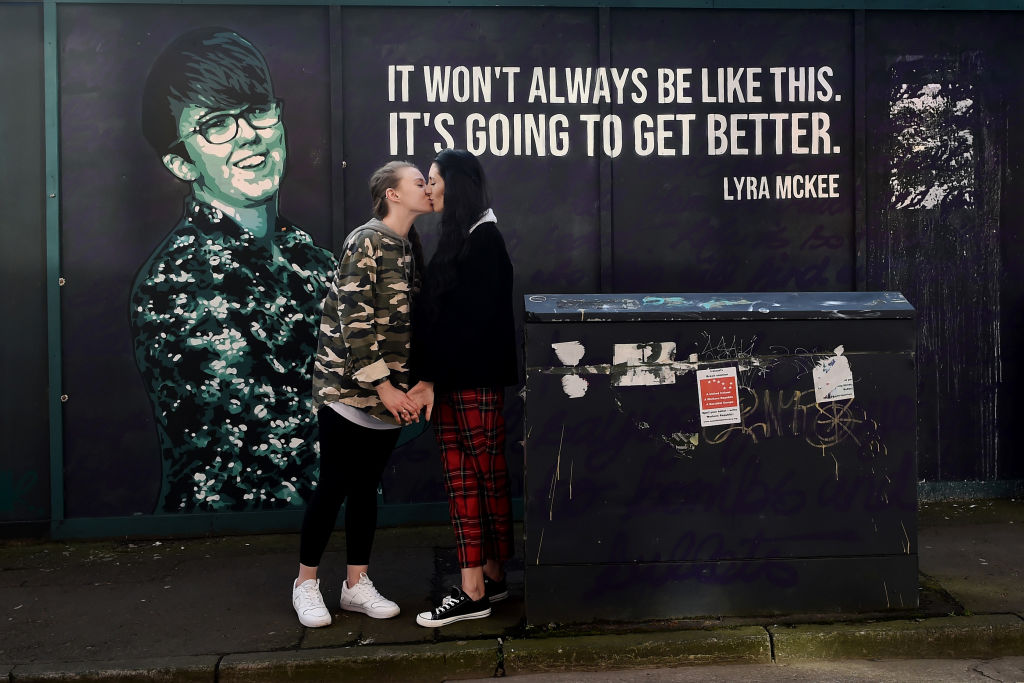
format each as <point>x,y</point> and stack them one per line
<point>360,380</point>
<point>464,352</point>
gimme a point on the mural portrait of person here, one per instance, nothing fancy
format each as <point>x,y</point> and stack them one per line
<point>224,313</point>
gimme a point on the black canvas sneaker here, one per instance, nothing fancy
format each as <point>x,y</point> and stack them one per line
<point>495,591</point>
<point>455,606</point>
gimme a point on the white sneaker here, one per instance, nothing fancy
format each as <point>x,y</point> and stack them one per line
<point>309,604</point>
<point>363,597</point>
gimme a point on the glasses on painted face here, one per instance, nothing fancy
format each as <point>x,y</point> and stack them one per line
<point>222,126</point>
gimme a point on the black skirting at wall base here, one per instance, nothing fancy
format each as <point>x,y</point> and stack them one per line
<point>231,523</point>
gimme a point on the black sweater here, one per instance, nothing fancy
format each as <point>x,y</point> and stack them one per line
<point>465,338</point>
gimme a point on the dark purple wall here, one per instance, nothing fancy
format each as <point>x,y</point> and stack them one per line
<point>24,456</point>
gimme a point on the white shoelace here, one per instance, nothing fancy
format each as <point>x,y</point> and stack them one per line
<point>367,592</point>
<point>447,603</point>
<point>310,592</point>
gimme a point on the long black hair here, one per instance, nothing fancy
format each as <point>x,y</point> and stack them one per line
<point>465,200</point>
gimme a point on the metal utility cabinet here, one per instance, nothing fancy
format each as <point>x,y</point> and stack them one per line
<point>719,454</point>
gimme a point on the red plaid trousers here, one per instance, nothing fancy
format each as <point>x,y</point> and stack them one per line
<point>470,429</point>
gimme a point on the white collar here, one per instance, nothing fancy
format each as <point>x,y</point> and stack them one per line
<point>487,217</point>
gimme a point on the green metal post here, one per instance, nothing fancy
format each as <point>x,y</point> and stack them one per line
<point>53,282</point>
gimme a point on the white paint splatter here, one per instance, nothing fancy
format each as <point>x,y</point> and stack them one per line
<point>933,155</point>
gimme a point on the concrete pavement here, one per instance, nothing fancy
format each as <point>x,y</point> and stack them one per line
<point>219,609</point>
<point>1000,670</point>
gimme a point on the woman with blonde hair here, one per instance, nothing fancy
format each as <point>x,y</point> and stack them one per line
<point>361,376</point>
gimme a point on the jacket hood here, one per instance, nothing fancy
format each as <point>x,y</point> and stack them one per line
<point>379,226</point>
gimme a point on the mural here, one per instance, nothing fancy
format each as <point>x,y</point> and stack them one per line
<point>628,152</point>
<point>224,313</point>
<point>200,403</point>
<point>209,223</point>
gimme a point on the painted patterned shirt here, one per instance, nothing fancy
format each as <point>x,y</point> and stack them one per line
<point>224,327</point>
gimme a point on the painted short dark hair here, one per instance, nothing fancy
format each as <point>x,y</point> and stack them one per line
<point>208,67</point>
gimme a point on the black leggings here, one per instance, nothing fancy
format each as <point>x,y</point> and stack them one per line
<point>352,458</point>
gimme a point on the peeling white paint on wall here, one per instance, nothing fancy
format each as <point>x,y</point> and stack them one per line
<point>574,386</point>
<point>646,364</point>
<point>570,352</point>
<point>833,378</point>
<point>683,442</point>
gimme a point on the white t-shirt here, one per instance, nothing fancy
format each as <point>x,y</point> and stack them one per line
<point>356,416</point>
<point>487,217</point>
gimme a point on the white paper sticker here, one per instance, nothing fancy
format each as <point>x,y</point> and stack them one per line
<point>833,379</point>
<point>718,393</point>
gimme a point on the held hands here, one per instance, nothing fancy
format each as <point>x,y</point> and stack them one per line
<point>423,395</point>
<point>399,404</point>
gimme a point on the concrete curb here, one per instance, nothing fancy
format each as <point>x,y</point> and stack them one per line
<point>979,636</point>
<point>429,662</point>
<point>189,668</point>
<point>746,644</point>
<point>967,637</point>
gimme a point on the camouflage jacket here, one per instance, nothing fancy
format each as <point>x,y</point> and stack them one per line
<point>224,329</point>
<point>366,327</point>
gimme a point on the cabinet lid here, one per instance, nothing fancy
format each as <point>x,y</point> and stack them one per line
<point>727,306</point>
